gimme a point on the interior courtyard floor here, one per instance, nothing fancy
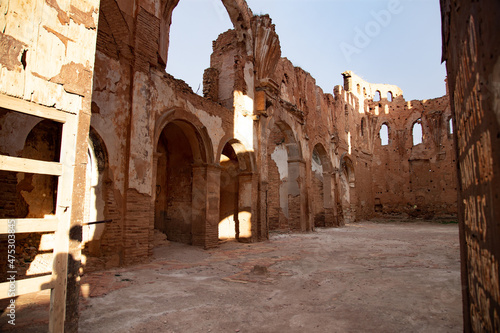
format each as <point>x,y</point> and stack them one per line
<point>377,276</point>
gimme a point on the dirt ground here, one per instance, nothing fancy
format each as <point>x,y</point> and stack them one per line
<point>366,277</point>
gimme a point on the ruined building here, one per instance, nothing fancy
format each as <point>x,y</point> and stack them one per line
<point>118,140</point>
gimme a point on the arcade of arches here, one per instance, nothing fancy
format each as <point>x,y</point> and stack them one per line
<point>103,151</point>
<point>264,149</point>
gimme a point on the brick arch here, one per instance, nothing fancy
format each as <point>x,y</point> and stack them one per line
<point>196,132</point>
<point>347,189</point>
<point>347,164</point>
<point>294,149</point>
<point>238,11</point>
<point>96,195</point>
<point>321,191</point>
<point>182,167</point>
<point>324,156</point>
<point>391,128</point>
<point>99,147</point>
<point>238,216</point>
<point>286,174</point>
<point>245,157</point>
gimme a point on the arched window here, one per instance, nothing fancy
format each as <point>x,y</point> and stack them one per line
<point>362,126</point>
<point>384,135</point>
<point>376,98</point>
<point>450,126</point>
<point>389,96</point>
<point>417,132</point>
<point>358,88</point>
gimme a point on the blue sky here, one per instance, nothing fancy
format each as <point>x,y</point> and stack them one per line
<point>383,41</point>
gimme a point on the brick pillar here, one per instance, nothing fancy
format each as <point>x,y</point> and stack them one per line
<point>329,199</point>
<point>337,199</point>
<point>213,206</point>
<point>297,196</point>
<point>153,204</point>
<point>247,208</point>
<point>205,205</point>
<point>263,225</point>
<point>137,227</point>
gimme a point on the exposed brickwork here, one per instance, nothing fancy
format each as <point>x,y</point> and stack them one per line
<point>137,227</point>
<point>317,201</point>
<point>112,240</point>
<point>211,84</point>
<point>146,46</point>
<point>423,181</point>
<point>294,212</point>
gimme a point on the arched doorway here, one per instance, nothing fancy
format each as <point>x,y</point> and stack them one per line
<point>97,161</point>
<point>322,207</point>
<point>347,190</point>
<point>286,205</point>
<point>229,186</point>
<point>38,192</point>
<point>237,213</point>
<point>178,199</point>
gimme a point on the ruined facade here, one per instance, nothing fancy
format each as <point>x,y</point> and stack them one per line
<point>265,149</point>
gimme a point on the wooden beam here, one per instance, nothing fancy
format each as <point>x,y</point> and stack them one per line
<point>57,312</point>
<point>18,164</point>
<point>26,286</point>
<point>48,224</point>
<point>23,106</point>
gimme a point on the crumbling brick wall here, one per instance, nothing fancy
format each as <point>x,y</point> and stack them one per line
<point>471,48</point>
<point>418,180</point>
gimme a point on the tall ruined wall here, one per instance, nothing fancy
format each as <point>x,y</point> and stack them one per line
<point>471,48</point>
<point>302,158</point>
<point>415,179</point>
<point>133,102</point>
<point>418,180</point>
